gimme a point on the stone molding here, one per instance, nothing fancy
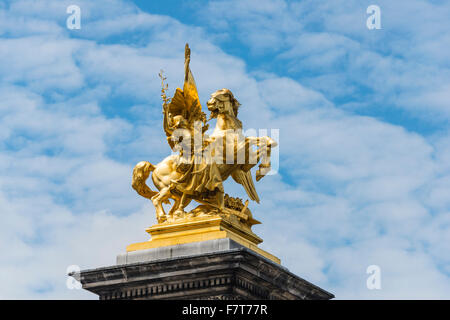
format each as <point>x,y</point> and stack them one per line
<point>237,273</point>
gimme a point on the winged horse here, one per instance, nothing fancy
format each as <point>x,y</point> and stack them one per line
<point>193,175</point>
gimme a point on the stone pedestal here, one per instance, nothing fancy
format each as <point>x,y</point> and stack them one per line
<point>199,229</point>
<point>211,269</point>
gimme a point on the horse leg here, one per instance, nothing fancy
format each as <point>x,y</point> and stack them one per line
<point>157,202</point>
<point>252,157</point>
<point>264,155</point>
<point>184,201</point>
<point>175,206</point>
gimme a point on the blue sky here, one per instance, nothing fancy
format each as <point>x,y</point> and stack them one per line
<point>364,133</point>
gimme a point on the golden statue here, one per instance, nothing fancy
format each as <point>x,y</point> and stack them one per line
<point>199,165</point>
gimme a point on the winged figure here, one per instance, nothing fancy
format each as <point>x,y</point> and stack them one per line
<point>201,163</point>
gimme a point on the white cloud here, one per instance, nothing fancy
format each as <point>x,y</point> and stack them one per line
<point>403,65</point>
<point>77,114</point>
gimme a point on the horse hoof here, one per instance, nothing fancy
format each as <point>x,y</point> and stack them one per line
<point>162,219</point>
<point>179,213</point>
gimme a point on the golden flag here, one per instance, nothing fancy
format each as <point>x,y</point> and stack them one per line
<point>189,88</point>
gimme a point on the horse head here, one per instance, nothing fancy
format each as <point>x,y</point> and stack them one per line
<point>223,101</point>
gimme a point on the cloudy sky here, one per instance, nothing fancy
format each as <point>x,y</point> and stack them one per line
<point>364,155</point>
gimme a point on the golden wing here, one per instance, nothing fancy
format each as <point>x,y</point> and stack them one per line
<point>184,107</point>
<point>245,179</point>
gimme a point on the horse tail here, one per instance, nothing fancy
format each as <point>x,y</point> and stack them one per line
<point>140,174</point>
